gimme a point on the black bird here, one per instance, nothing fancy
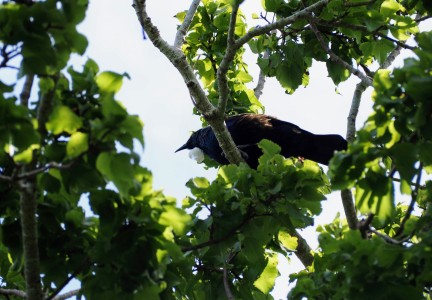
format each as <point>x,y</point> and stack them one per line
<point>248,129</point>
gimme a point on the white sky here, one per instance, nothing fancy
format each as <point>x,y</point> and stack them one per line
<point>156,93</point>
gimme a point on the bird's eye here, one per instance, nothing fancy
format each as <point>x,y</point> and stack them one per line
<point>196,154</point>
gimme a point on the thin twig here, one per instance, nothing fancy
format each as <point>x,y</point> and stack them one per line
<point>50,165</point>
<point>68,295</point>
<point>226,62</point>
<point>227,287</point>
<point>6,178</point>
<point>249,216</point>
<point>13,292</point>
<point>181,32</point>
<point>335,58</point>
<point>387,238</point>
<point>414,194</point>
<point>304,13</point>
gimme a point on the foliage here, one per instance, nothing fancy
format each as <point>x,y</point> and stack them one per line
<point>71,142</point>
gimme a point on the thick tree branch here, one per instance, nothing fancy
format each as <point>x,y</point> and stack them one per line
<point>214,117</point>
<point>28,207</point>
<point>181,32</point>
<point>258,90</point>
<point>349,208</point>
<point>303,251</point>
<point>25,93</point>
<point>352,115</point>
<point>46,104</point>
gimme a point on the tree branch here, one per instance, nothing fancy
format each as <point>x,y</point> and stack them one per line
<point>227,287</point>
<point>304,13</point>
<point>25,93</point>
<point>67,295</point>
<point>349,208</point>
<point>214,117</point>
<point>45,106</point>
<point>226,61</point>
<point>333,57</point>
<point>181,32</point>
<point>28,207</point>
<point>258,90</point>
<point>303,251</point>
<point>13,292</point>
<point>414,194</point>
<point>249,216</point>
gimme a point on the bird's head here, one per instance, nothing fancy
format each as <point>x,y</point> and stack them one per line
<point>193,143</point>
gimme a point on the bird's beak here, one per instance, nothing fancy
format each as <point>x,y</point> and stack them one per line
<point>185,146</point>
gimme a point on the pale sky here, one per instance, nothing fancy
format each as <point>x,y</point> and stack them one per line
<point>156,93</point>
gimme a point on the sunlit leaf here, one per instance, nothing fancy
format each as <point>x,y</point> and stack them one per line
<point>77,144</point>
<point>63,119</point>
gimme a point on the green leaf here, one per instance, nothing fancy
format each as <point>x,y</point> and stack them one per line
<point>288,242</point>
<point>271,5</point>
<point>109,82</point>
<point>118,169</point>
<point>266,281</point>
<point>390,7</point>
<point>175,218</point>
<point>405,157</point>
<point>63,119</point>
<point>77,144</point>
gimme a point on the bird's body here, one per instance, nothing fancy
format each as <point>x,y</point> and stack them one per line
<point>249,129</point>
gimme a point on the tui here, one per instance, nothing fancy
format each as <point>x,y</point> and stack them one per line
<point>248,129</point>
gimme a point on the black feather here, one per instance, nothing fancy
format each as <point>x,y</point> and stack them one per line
<point>249,129</point>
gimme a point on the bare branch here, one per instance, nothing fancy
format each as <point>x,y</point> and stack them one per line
<point>45,106</point>
<point>227,287</point>
<point>6,178</point>
<point>333,57</point>
<point>12,292</point>
<point>352,115</point>
<point>304,13</point>
<point>51,165</point>
<point>25,93</point>
<point>303,251</point>
<point>391,57</point>
<point>258,90</point>
<point>67,295</point>
<point>349,208</point>
<point>214,117</point>
<point>28,207</point>
<point>181,32</point>
<point>414,194</point>
<point>249,216</point>
<point>387,238</point>
<point>226,62</point>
